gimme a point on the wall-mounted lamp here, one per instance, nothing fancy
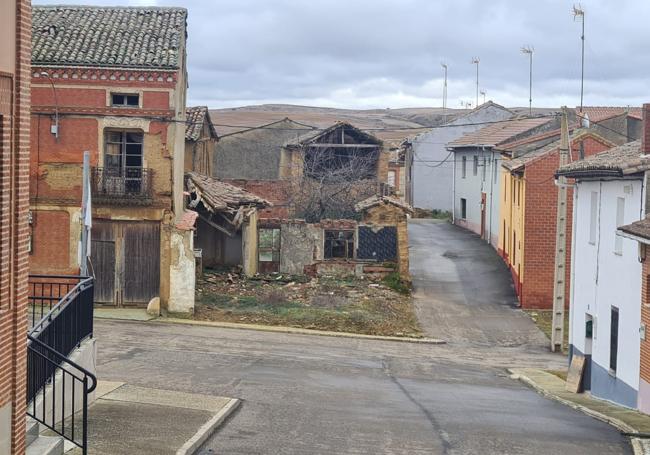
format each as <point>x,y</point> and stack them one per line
<point>54,129</point>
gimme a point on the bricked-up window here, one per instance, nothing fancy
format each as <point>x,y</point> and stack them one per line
<point>463,208</point>
<point>269,245</point>
<point>613,340</point>
<point>593,218</point>
<point>620,217</point>
<point>125,100</point>
<point>339,244</point>
<point>464,167</point>
<point>484,168</point>
<point>475,169</point>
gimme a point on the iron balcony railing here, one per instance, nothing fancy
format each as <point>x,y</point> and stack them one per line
<point>130,185</point>
<point>61,317</point>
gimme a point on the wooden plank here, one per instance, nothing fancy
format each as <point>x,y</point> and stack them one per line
<point>141,272</point>
<point>102,259</point>
<point>576,371</point>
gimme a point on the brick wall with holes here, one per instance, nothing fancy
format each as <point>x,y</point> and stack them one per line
<point>540,227</point>
<point>14,234</point>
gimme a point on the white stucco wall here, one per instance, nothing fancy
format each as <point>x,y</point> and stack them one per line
<point>433,180</point>
<point>603,279</point>
<point>182,273</point>
<point>472,186</point>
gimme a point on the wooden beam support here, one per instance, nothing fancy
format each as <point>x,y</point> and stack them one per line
<point>216,226</point>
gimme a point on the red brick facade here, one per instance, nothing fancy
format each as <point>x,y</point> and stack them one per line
<point>645,318</point>
<point>14,235</point>
<point>540,225</point>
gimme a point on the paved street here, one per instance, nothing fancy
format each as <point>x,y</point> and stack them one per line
<point>320,395</point>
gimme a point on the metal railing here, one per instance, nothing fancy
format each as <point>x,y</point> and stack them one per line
<point>122,185</point>
<point>51,338</point>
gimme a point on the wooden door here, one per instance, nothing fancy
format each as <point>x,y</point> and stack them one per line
<point>102,259</point>
<point>141,262</point>
<point>125,257</point>
<point>483,199</point>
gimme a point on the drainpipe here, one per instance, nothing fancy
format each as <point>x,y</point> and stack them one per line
<point>453,193</point>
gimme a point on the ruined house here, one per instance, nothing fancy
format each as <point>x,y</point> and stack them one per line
<point>226,229</point>
<point>200,141</point>
<point>102,82</point>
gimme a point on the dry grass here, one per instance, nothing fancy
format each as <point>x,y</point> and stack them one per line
<point>544,320</point>
<point>342,305</point>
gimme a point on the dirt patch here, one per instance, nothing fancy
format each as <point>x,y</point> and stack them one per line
<point>325,303</point>
<point>544,321</point>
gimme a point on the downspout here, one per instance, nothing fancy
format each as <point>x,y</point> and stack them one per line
<point>453,193</point>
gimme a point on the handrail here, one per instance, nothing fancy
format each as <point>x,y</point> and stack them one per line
<point>63,358</point>
<point>76,290</point>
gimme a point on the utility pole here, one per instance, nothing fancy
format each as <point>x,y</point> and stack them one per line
<point>578,12</point>
<point>530,50</point>
<point>444,93</point>
<point>559,285</point>
<point>476,61</point>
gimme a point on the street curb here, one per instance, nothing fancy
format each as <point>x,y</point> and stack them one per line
<point>636,443</point>
<point>295,330</point>
<point>196,441</point>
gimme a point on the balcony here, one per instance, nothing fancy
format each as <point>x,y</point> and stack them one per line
<point>122,186</point>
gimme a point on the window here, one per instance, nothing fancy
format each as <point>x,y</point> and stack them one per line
<point>391,178</point>
<point>339,244</point>
<point>125,100</point>
<point>593,220</point>
<point>464,168</point>
<point>475,169</point>
<point>123,151</point>
<point>269,245</point>
<point>463,208</point>
<point>620,216</point>
<point>495,170</point>
<point>613,340</point>
<point>484,170</point>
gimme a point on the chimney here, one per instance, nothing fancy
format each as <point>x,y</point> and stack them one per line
<point>645,134</point>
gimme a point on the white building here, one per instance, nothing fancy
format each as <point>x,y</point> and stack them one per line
<point>605,298</point>
<point>477,161</point>
<point>433,167</point>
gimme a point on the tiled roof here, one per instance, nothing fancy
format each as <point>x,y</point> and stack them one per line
<point>128,37</point>
<point>618,161</point>
<point>639,228</point>
<point>218,196</point>
<point>545,146</point>
<point>187,221</point>
<point>313,135</point>
<point>600,113</point>
<point>373,201</point>
<point>196,118</point>
<point>498,133</point>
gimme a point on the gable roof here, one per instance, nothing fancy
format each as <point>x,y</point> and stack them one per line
<point>600,113</point>
<point>376,200</point>
<point>527,157</point>
<point>618,161</point>
<point>482,107</point>
<point>498,132</point>
<point>639,230</point>
<point>124,37</point>
<point>313,136</point>
<point>218,196</point>
<point>196,118</point>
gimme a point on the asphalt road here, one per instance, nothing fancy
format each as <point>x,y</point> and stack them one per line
<point>319,395</point>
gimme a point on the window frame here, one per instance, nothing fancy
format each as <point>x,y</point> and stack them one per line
<point>613,339</point>
<point>464,167</point>
<point>349,244</point>
<point>463,208</point>
<point>126,96</point>
<point>123,144</point>
<point>593,217</point>
<point>620,221</point>
<point>274,248</point>
<point>475,166</point>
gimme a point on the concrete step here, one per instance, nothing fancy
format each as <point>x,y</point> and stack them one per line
<point>32,430</point>
<point>46,445</point>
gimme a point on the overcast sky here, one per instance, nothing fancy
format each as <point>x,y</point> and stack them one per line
<point>387,53</point>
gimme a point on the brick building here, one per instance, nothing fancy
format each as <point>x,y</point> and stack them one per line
<point>527,211</point>
<point>15,31</point>
<point>111,81</point>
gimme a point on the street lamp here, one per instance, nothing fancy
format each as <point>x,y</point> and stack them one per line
<point>579,14</point>
<point>54,129</point>
<point>476,61</point>
<point>483,95</point>
<point>444,93</point>
<point>529,50</point>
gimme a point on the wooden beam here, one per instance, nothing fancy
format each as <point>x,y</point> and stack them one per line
<point>345,146</point>
<point>216,226</point>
